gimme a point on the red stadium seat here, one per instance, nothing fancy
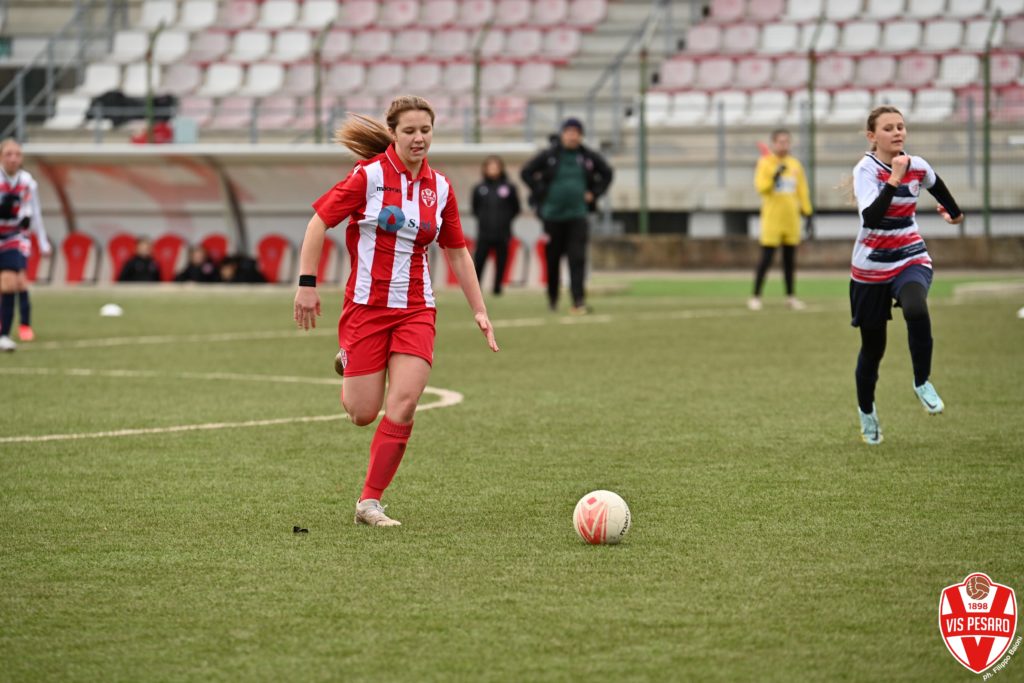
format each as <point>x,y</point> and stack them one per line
<point>506,277</point>
<point>167,249</point>
<point>216,246</point>
<point>81,258</point>
<point>541,247</point>
<point>120,248</point>
<point>329,262</point>
<point>32,269</point>
<point>272,255</point>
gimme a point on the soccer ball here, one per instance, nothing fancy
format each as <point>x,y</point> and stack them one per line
<point>601,517</point>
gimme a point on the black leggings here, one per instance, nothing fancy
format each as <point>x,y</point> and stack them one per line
<point>788,268</point>
<point>914,302</point>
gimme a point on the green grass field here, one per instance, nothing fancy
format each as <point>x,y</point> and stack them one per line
<point>769,543</point>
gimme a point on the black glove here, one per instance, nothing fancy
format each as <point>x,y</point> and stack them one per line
<point>809,227</point>
<point>778,173</point>
<point>25,223</point>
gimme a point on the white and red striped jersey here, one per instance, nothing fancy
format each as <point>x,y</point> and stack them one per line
<point>394,218</point>
<point>19,195</point>
<point>884,250</point>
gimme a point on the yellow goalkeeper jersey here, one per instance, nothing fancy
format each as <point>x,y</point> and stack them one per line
<point>783,199</point>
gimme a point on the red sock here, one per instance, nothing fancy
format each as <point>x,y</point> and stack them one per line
<point>386,451</point>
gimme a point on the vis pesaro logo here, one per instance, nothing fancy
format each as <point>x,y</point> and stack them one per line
<point>978,619</point>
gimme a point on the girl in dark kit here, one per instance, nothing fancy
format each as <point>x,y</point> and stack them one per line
<point>495,205</point>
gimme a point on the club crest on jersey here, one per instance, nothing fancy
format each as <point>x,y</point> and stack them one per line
<point>391,219</point>
<point>915,187</point>
<point>428,196</point>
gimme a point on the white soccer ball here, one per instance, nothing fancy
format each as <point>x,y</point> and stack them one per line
<point>601,517</point>
<point>1020,313</point>
<point>111,311</point>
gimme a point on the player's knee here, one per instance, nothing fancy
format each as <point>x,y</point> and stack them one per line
<point>401,409</point>
<point>361,418</point>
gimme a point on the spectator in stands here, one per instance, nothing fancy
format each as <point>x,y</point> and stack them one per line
<point>20,214</point>
<point>141,267</point>
<point>565,181</point>
<point>240,269</point>
<point>781,182</point>
<point>495,205</point>
<point>199,269</point>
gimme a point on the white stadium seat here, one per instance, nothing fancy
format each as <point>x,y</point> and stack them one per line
<point>976,34</point>
<point>170,47</point>
<point>236,14</point>
<point>129,46</point>
<point>727,11</point>
<point>523,42</point>
<point>133,83</point>
<point>345,77</point>
<point>69,112</point>
<point>385,77</point>
<point>850,106</point>
<point>454,42</point>
<point>804,10</point>
<point>657,107</point>
<point>827,36</point>
<point>550,12</point>
<point>1005,68</point>
<point>916,71</point>
<point>966,8</point>
<point>299,79</point>
<point>714,73</point>
<point>250,46</point>
<point>741,38</point>
<point>703,38</point>
<point>372,43</point>
<point>198,15</point>
<point>221,80</point>
<point>1008,7</point>
<point>476,13</point>
<point>357,14</point>
<point>727,106</point>
<point>942,35</point>
<point>276,113</point>
<point>874,71</point>
<point>536,77</point>
<point>438,13</point>
<point>765,10</point>
<point>842,10</point>
<point>587,13</point>
<point>835,71</point>
<point>493,45</point>
<point>779,38</point>
<point>512,12</point>
<point>562,43</point>
<point>316,14</point>
<point>458,77</point>
<point>292,46</point>
<point>792,72</point>
<point>208,47</point>
<point>901,36</point>
<point>933,105</point>
<point>156,12</point>
<point>497,77</point>
<point>400,13</point>
<point>180,79</point>
<point>337,44</point>
<point>899,98</point>
<point>860,36</point>
<point>412,43</point>
<point>799,106</point>
<point>884,9</point>
<point>99,78</point>
<point>1015,32</point>
<point>925,9</point>
<point>753,72</point>
<point>767,107</point>
<point>262,80</point>
<point>958,70</point>
<point>677,73</point>
<point>423,76</point>
<point>689,108</point>
<point>277,14</point>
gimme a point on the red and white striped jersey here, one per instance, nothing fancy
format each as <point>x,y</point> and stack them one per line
<point>394,218</point>
<point>20,196</point>
<point>883,251</point>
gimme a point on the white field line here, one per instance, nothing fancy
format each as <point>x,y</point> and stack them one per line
<point>445,399</point>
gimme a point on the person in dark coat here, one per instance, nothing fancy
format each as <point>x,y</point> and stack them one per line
<point>141,267</point>
<point>199,269</point>
<point>565,181</point>
<point>495,205</point>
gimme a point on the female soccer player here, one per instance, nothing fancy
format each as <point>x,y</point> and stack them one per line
<point>890,260</point>
<point>398,205</point>
<point>19,213</point>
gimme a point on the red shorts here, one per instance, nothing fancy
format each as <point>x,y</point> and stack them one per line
<point>368,335</point>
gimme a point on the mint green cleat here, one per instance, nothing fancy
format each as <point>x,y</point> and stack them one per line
<point>870,429</point>
<point>929,398</point>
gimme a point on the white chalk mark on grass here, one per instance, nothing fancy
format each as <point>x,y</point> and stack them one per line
<point>445,399</point>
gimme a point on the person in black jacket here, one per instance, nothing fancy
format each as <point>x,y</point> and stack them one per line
<point>495,205</point>
<point>141,267</point>
<point>565,182</point>
<point>199,269</point>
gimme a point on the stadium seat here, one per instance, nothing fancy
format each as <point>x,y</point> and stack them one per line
<point>475,13</point>
<point>765,10</point>
<point>134,82</point>
<point>358,14</point>
<point>1005,68</point>
<point>657,107</point>
<point>198,15</point>
<point>1014,36</point>
<point>860,36</point>
<point>458,77</point>
<point>156,12</point>
<point>371,44</point>
<point>345,77</point>
<point>400,13</point>
<point>536,77</point>
<point>779,38</point>
<point>292,46</point>
<point>198,109</point>
<point>299,79</point>
<point>562,43</point>
<point>238,14</point>
<point>741,38</point>
<point>120,248</point>
<point>550,12</point>
<point>767,108</point>
<point>305,108</point>
<point>689,108</point>
<point>385,77</point>
<point>933,104</point>
<point>874,71</point>
<point>216,246</point>
<point>727,106</point>
<point>792,72</point>
<point>275,113</point>
<point>835,71</point>
<point>587,13</point>
<point>677,73</point>
<point>522,43</point>
<point>129,46</point>
<point>170,47</point>
<point>493,45</point>
<point>942,35</point>
<point>233,113</point>
<point>506,110</point>
<point>714,73</point>
<point>1008,8</point>
<point>976,34</point>
<point>337,44</point>
<point>221,80</point>
<point>1010,105</point>
<point>509,13</point>
<point>81,258</point>
<point>100,78</point>
<point>842,10</point>
<point>900,36</point>
<point>901,99</point>
<point>964,9</point>
<point>412,43</point>
<point>727,11</point>
<point>168,250</point>
<point>250,46</point>
<point>804,10</point>
<point>925,9</point>
<point>957,71</point>
<point>753,72</point>
<point>423,76</point>
<point>704,39</point>
<point>497,77</point>
<point>884,9</point>
<point>445,113</point>
<point>209,47</point>
<point>262,80</point>
<point>329,268</point>
<point>850,106</point>
<point>827,36</point>
<point>316,14</point>
<point>438,13</point>
<point>180,79</point>
<point>452,43</point>
<point>34,255</point>
<point>274,256</point>
<point>915,71</point>
<point>278,14</point>
<point>799,106</point>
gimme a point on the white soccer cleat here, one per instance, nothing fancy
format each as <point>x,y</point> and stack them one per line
<point>929,398</point>
<point>371,513</point>
<point>870,429</point>
<point>754,303</point>
<point>7,344</point>
<point>794,304</point>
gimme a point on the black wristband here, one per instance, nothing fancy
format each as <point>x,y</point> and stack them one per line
<point>307,281</point>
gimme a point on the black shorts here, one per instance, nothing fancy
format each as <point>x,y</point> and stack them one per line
<point>871,305</point>
<point>12,259</point>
